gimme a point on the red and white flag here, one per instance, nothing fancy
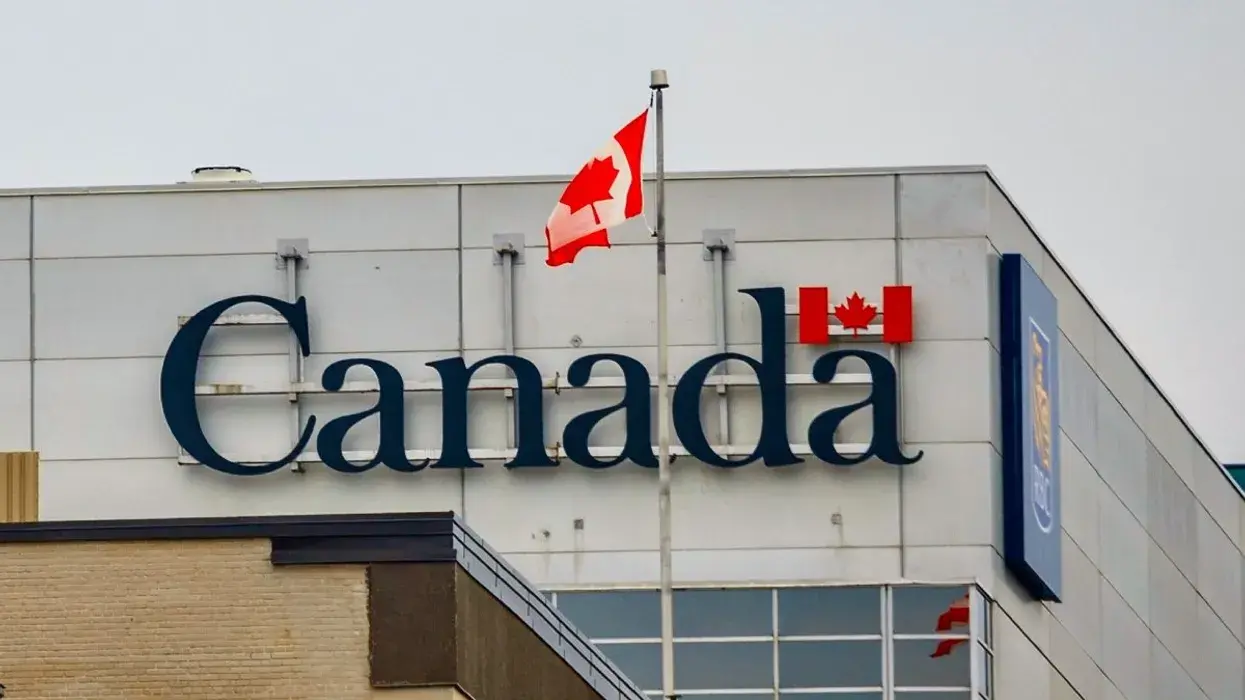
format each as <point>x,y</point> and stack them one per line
<point>604,193</point>
<point>954,617</point>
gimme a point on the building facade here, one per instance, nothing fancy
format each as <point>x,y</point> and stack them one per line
<point>362,607</point>
<point>885,549</point>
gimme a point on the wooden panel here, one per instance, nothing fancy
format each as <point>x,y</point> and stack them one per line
<point>500,657</point>
<point>19,487</point>
<point>411,611</point>
<point>434,625</point>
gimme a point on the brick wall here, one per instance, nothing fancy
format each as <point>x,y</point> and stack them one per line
<point>182,619</point>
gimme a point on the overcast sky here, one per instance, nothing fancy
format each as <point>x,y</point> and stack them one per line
<point>1115,124</point>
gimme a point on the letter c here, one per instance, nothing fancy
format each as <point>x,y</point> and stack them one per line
<point>181,365</point>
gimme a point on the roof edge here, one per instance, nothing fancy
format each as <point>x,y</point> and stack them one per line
<point>241,527</point>
<point>478,180</point>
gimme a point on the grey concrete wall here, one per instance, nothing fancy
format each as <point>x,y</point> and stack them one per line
<point>406,274</point>
<point>1152,526</point>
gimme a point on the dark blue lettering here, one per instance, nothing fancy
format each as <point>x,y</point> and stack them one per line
<point>883,397</point>
<point>636,403</point>
<point>390,408</point>
<point>773,446</point>
<point>179,371</point>
<point>529,410</point>
<point>181,367</point>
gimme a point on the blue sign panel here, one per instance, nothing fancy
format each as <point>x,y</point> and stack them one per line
<point>1029,326</point>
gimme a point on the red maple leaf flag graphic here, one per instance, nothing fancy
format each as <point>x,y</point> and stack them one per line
<point>590,185</point>
<point>855,315</point>
<point>605,192</point>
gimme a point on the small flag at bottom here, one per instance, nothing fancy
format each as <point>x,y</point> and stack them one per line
<point>957,615</point>
<point>606,191</point>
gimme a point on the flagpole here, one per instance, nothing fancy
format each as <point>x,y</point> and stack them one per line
<point>658,82</point>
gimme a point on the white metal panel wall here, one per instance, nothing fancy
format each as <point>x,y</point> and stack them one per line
<point>1152,528</point>
<point>389,271</point>
<point>1153,531</point>
<point>15,322</point>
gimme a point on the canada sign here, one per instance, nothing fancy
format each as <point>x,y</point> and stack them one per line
<point>178,391</point>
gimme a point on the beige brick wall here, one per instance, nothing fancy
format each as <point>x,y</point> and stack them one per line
<point>183,619</point>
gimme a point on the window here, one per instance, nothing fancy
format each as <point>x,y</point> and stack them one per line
<point>933,645</point>
<point>798,643</point>
<point>749,612</point>
<point>613,615</point>
<point>983,649</point>
<point>625,625</point>
<point>725,665</point>
<point>803,665</point>
<point>829,611</point>
<point>1237,472</point>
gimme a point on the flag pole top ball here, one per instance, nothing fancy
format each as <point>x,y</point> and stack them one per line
<point>657,80</point>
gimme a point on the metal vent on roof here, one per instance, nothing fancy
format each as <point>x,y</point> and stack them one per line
<point>221,173</point>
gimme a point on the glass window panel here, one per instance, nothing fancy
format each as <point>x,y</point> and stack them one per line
<point>846,664</point>
<point>639,662</point>
<point>981,618</point>
<point>829,696</point>
<point>723,665</point>
<point>984,670</point>
<point>939,695</point>
<point>930,610</point>
<point>932,663</point>
<point>613,614</point>
<point>731,696</point>
<point>739,612</point>
<point>825,611</point>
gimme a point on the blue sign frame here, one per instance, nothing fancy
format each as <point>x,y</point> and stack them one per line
<point>1029,326</point>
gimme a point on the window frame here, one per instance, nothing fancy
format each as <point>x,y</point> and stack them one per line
<point>978,638</point>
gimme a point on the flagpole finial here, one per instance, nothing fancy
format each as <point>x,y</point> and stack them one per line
<point>657,79</point>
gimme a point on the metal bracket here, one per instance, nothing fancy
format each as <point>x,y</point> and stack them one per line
<point>296,249</point>
<point>289,252</point>
<point>508,244</point>
<point>722,239</point>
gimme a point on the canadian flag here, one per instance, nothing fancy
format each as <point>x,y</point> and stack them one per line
<point>605,192</point>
